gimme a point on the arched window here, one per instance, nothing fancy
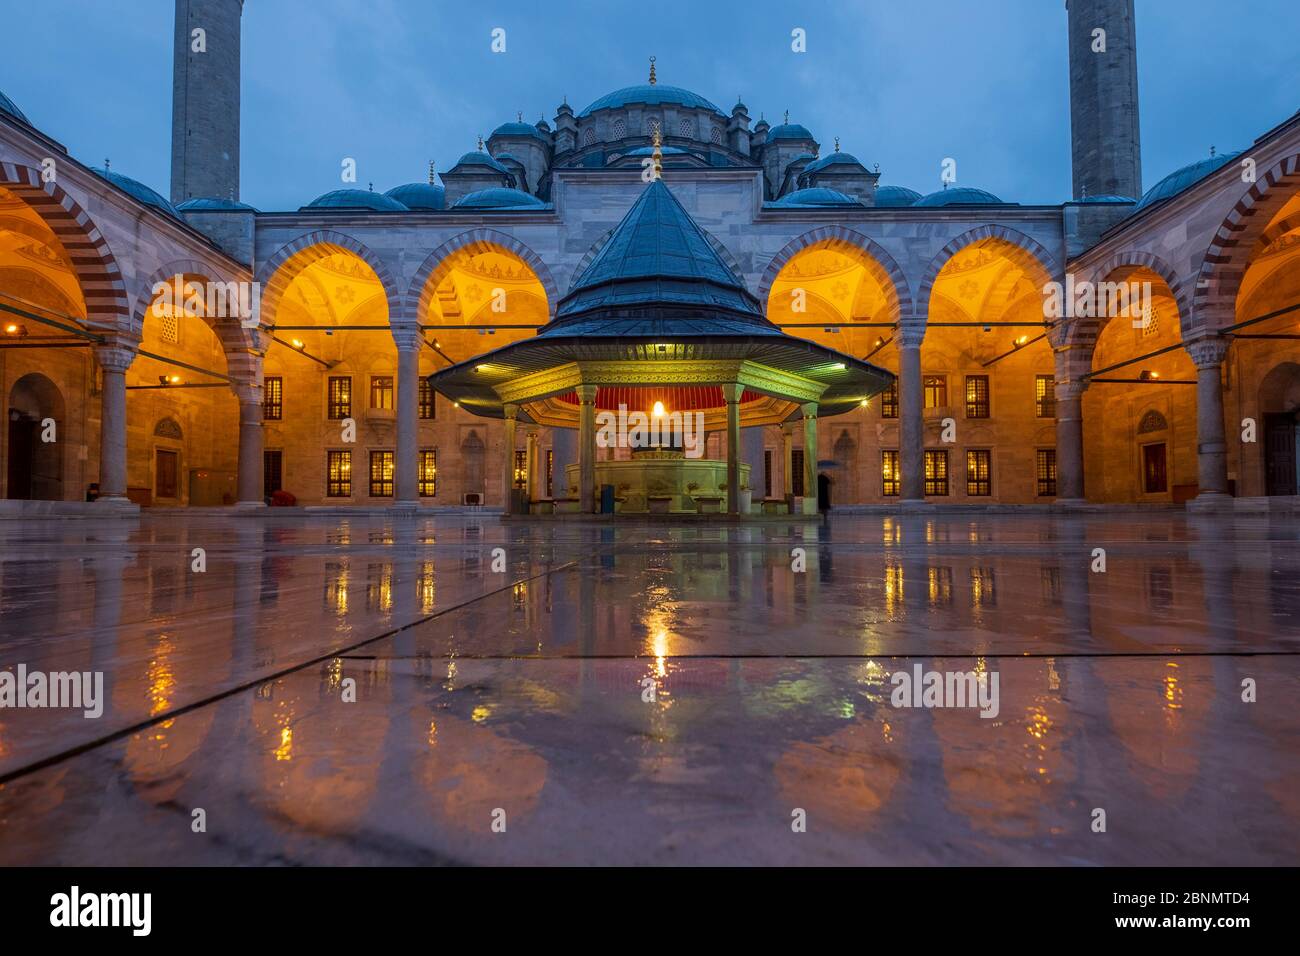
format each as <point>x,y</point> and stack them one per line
<point>716,135</point>
<point>684,129</point>
<point>620,128</point>
<point>589,137</point>
<point>1152,421</point>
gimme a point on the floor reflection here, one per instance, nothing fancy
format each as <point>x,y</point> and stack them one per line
<point>370,690</point>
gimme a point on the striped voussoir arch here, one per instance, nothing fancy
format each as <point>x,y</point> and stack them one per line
<point>227,328</point>
<point>279,271</point>
<point>882,266</point>
<point>1118,268</point>
<point>436,265</point>
<point>1228,256</point>
<point>1027,252</point>
<point>97,272</point>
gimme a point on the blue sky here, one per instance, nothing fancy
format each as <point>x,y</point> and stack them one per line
<point>903,83</point>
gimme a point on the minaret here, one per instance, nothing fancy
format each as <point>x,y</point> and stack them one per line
<point>205,100</point>
<point>1106,149</point>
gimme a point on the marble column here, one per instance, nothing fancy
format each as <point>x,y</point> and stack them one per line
<point>508,465</point>
<point>587,502</point>
<point>1211,441</point>
<point>810,458</point>
<point>911,412</point>
<point>252,483</point>
<point>406,460</point>
<point>731,392</point>
<point>115,357</point>
<point>1069,441</point>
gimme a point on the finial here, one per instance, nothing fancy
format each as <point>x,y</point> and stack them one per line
<point>480,142</point>
<point>657,160</point>
<point>519,116</point>
<point>372,186</point>
<point>787,118</point>
<point>652,71</point>
<point>877,167</point>
<point>1211,151</point>
<point>837,144</point>
<point>431,172</point>
<point>105,164</point>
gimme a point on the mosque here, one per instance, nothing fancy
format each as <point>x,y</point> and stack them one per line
<point>845,340</point>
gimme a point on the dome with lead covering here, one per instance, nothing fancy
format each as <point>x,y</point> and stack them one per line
<point>960,196</point>
<point>9,106</point>
<point>817,196</point>
<point>137,189</point>
<point>419,195</point>
<point>356,199</point>
<point>647,94</point>
<point>1188,175</point>
<point>892,197</point>
<point>499,197</point>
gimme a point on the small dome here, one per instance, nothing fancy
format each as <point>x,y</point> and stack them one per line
<point>419,195</point>
<point>137,189</point>
<point>206,204</point>
<point>891,197</point>
<point>517,129</point>
<point>960,196</point>
<point>650,95</point>
<point>476,158</point>
<point>818,196</point>
<point>834,159</point>
<point>499,198</point>
<point>8,106</point>
<point>789,131</point>
<point>356,199</point>
<point>1180,179</point>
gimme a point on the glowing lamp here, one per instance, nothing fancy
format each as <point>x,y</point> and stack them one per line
<point>659,410</point>
<point>297,343</point>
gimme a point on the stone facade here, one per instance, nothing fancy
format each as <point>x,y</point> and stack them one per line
<point>946,294</point>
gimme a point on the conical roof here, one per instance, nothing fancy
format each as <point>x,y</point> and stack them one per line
<point>658,294</point>
<point>657,256</point>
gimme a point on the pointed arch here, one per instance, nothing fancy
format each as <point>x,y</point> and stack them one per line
<point>436,265</point>
<point>102,286</point>
<point>1085,331</point>
<point>1027,252</point>
<point>228,330</point>
<point>279,271</point>
<point>882,266</point>
<point>1229,253</point>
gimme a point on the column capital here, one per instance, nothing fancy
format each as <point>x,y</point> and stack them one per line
<point>809,410</point>
<point>408,338</point>
<point>732,391</point>
<point>511,412</point>
<point>116,353</point>
<point>248,393</point>
<point>1207,352</point>
<point>586,394</point>
<point>1071,390</point>
<point>909,335</point>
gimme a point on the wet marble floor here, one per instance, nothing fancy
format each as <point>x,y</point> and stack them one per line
<point>455,689</point>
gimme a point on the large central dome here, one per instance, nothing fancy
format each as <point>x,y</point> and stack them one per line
<point>650,95</point>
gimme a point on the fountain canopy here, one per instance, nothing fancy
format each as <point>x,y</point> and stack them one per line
<point>658,316</point>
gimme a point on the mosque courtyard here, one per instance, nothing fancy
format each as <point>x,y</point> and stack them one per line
<point>463,689</point>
